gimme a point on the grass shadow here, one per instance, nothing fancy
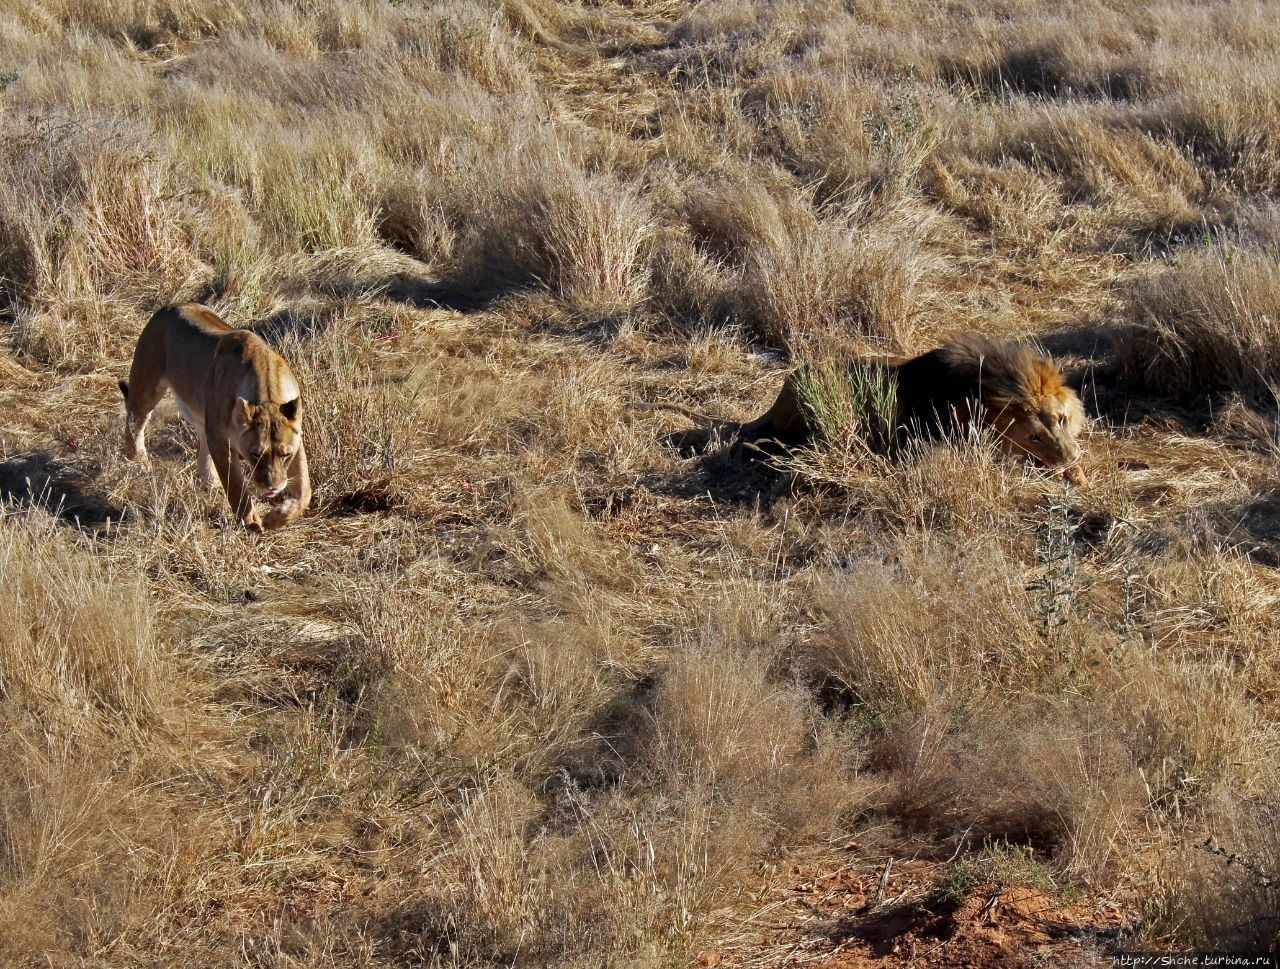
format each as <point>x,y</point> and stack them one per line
<point>40,480</point>
<point>461,294</point>
<point>1255,528</point>
<point>295,325</point>
<point>1087,358</point>
<point>731,474</point>
<point>1045,71</point>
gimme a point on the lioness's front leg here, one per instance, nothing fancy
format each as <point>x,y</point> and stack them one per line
<point>227,464</point>
<point>299,492</point>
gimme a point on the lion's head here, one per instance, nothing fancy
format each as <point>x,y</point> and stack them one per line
<point>267,436</point>
<point>1023,398</point>
<point>1045,427</point>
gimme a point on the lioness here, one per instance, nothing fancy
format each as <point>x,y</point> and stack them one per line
<point>238,394</point>
<point>971,377</point>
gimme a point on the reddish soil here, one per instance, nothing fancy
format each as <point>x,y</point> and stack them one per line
<point>859,917</point>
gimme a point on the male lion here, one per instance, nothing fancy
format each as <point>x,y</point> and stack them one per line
<point>970,378</point>
<point>238,394</point>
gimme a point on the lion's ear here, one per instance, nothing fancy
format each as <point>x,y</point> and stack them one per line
<point>289,410</point>
<point>244,411</point>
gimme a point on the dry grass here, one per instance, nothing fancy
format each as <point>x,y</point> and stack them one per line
<point>1228,889</point>
<point>1207,327</point>
<point>525,687</point>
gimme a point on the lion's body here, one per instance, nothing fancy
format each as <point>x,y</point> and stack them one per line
<point>238,394</point>
<point>1019,394</point>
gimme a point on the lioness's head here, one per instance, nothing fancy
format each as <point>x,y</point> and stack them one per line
<point>267,436</point>
<point>1044,422</point>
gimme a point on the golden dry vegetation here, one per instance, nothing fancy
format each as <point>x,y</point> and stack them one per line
<point>526,688</point>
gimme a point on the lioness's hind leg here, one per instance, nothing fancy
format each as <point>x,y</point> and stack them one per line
<point>204,460</point>
<point>140,401</point>
<point>204,463</point>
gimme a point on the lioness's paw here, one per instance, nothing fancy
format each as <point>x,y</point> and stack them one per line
<point>253,523</point>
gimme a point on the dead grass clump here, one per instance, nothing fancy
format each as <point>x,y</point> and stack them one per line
<point>498,905</point>
<point>314,198</point>
<point>559,542</point>
<point>469,40</point>
<point>49,73</point>
<point>1205,325</point>
<point>731,217</point>
<point>946,624</point>
<point>71,829</point>
<point>1008,199</point>
<point>89,702</point>
<point>817,286</point>
<point>1144,186</point>
<point>360,435</point>
<point>1229,880</point>
<point>1190,725</point>
<point>1069,64</point>
<point>847,134</point>
<point>689,285</point>
<point>1215,613</point>
<point>728,721</point>
<point>589,242</point>
<point>414,223</point>
<point>962,484</point>
<point>1030,773</point>
<point>610,880</point>
<point>147,24</point>
<point>827,286</point>
<point>78,639</point>
<point>1230,123</point>
<point>92,212</point>
<point>539,219</point>
<point>718,720</point>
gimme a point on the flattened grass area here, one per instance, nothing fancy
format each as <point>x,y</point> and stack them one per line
<point>526,688</point>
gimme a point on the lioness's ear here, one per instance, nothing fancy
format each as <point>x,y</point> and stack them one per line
<point>289,410</point>
<point>245,411</point>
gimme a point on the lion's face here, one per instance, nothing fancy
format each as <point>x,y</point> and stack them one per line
<point>267,436</point>
<point>1046,428</point>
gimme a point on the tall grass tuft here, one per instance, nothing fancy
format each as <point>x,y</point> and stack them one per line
<point>853,404</point>
<point>1208,325</point>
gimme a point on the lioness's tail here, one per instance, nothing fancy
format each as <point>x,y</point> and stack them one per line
<point>124,388</point>
<point>695,440</point>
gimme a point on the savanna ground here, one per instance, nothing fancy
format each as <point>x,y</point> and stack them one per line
<point>527,689</point>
